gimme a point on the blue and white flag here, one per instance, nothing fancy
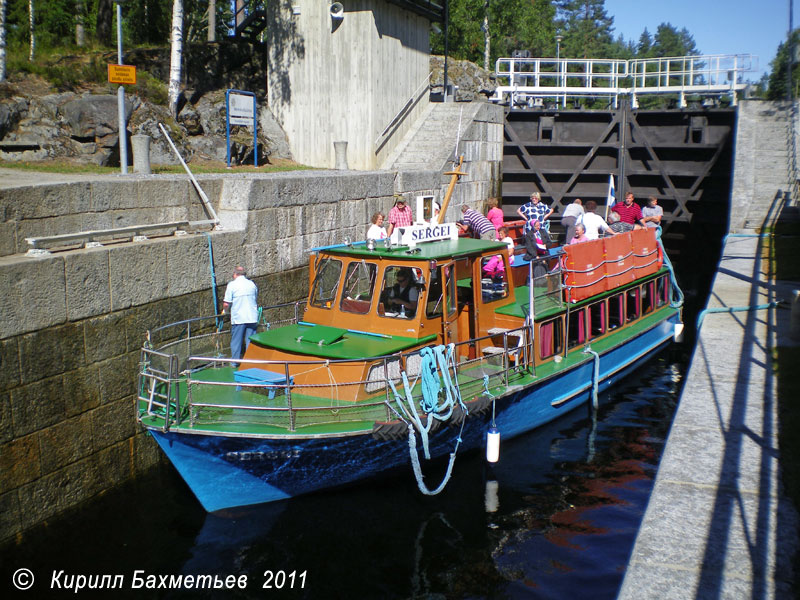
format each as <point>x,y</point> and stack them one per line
<point>612,197</point>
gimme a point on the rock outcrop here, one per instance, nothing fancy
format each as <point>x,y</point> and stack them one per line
<point>85,128</point>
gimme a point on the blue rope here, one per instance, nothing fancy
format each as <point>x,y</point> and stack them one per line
<point>733,309</point>
<point>677,302</point>
<point>486,386</point>
<point>434,371</point>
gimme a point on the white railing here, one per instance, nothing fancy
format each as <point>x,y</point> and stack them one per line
<point>528,81</point>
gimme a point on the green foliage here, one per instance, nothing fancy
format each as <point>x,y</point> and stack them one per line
<point>147,21</point>
<point>780,67</point>
<point>151,89</point>
<point>586,27</point>
<point>668,41</point>
<point>513,25</point>
<point>53,22</point>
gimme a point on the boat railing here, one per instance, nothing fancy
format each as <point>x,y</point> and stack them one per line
<point>157,386</point>
<point>207,391</point>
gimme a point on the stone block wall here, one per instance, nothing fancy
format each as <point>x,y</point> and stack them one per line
<point>74,321</point>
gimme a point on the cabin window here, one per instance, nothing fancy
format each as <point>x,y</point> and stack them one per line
<point>451,281</point>
<point>550,336</point>
<point>576,333</point>
<point>662,290</point>
<point>648,297</point>
<point>616,311</point>
<point>494,283</point>
<point>597,319</point>
<point>435,294</point>
<point>359,283</point>
<point>401,291</point>
<point>326,282</point>
<point>632,309</point>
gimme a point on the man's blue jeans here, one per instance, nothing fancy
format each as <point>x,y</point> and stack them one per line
<point>240,338</point>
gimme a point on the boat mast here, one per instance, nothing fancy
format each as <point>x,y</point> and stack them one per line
<point>455,174</point>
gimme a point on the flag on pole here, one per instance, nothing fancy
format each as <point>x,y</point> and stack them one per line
<point>612,196</point>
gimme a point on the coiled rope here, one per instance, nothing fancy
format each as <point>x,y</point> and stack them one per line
<point>434,371</point>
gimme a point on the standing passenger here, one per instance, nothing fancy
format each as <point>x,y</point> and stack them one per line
<point>593,223</point>
<point>571,215</point>
<point>480,225</point>
<point>400,215</point>
<point>535,209</point>
<point>628,210</point>
<point>240,297</point>
<point>652,213</point>
<point>495,215</point>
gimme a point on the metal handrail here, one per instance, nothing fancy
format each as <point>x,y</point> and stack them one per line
<point>415,96</point>
<point>171,378</point>
<point>549,77</point>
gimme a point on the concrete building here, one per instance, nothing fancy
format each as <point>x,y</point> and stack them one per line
<point>355,71</point>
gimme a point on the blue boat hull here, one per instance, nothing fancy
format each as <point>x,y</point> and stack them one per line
<point>225,472</point>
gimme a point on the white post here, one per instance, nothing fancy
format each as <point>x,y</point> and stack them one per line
<point>123,137</point>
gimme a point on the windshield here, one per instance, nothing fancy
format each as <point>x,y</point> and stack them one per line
<point>359,284</point>
<point>326,283</point>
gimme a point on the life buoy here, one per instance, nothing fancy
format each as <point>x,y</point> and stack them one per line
<point>660,261</point>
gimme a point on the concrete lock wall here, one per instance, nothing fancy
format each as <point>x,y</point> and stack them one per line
<point>73,321</point>
<point>345,80</point>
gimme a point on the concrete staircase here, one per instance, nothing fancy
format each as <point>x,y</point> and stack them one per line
<point>430,145</point>
<point>762,164</point>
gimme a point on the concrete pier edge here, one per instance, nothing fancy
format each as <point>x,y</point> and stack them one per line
<point>718,524</point>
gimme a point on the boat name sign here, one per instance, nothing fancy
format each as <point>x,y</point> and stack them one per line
<point>424,232</point>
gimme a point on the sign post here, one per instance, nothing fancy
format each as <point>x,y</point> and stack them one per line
<point>240,109</point>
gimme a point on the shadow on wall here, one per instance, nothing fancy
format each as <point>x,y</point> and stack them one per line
<point>286,46</point>
<point>389,25</point>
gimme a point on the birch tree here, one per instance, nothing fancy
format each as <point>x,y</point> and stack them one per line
<point>80,32</point>
<point>212,20</point>
<point>3,39</point>
<point>176,54</point>
<point>33,34</point>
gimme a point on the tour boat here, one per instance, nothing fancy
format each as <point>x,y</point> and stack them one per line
<point>357,379</point>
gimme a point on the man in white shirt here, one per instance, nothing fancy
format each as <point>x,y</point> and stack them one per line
<point>594,223</point>
<point>240,298</point>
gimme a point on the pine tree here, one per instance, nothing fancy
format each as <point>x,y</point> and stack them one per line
<point>586,27</point>
<point>780,66</point>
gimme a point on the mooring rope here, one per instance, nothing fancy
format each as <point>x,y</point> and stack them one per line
<point>434,370</point>
<point>677,302</point>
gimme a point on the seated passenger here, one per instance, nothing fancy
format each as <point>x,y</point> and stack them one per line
<point>502,235</point>
<point>403,295</point>
<point>580,235</point>
<point>619,226</point>
<point>536,240</point>
<point>494,267</point>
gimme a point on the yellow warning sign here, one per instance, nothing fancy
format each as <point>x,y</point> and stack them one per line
<point>125,74</point>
